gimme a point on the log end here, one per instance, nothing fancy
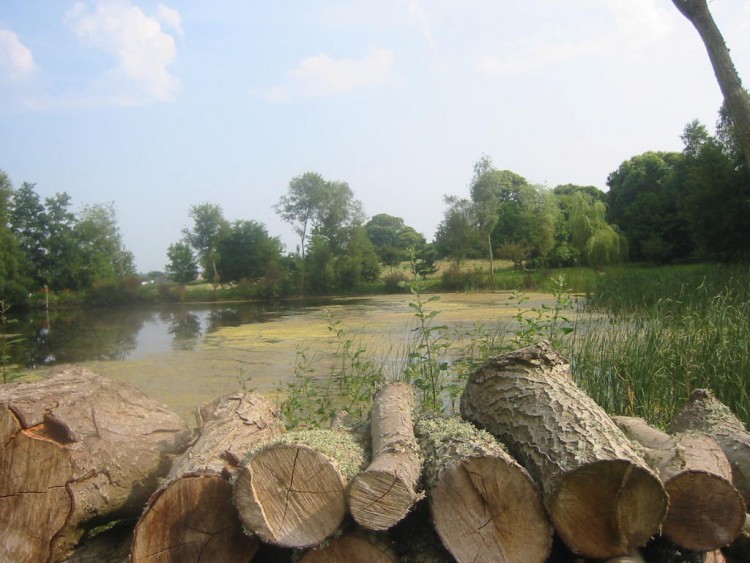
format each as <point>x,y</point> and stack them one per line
<point>378,500</point>
<point>290,495</point>
<point>192,519</point>
<point>348,548</point>
<point>607,508</point>
<point>485,509</point>
<point>706,512</point>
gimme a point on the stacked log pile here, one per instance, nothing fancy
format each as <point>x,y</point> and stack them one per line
<point>533,471</point>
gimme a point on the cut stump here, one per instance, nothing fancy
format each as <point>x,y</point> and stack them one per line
<point>484,505</point>
<point>192,518</point>
<point>705,511</point>
<point>602,497</point>
<point>383,494</point>
<point>77,449</point>
<point>703,412</point>
<point>291,492</point>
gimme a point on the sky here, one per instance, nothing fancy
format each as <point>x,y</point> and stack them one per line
<point>159,106</point>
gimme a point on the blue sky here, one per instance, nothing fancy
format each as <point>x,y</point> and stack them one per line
<point>157,106</point>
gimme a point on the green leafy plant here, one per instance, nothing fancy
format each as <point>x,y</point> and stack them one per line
<point>547,322</point>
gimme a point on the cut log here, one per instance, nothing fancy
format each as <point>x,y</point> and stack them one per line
<point>77,449</point>
<point>703,412</point>
<point>484,505</point>
<point>603,498</point>
<point>192,516</point>
<point>383,494</point>
<point>705,511</point>
<point>351,548</point>
<point>291,492</point>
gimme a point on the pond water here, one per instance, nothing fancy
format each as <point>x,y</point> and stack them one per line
<point>186,356</point>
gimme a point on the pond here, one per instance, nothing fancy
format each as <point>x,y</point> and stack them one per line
<point>186,356</point>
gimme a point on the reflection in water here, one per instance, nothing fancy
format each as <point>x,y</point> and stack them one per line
<point>186,329</point>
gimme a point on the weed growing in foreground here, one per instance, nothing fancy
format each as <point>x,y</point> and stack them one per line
<point>547,322</point>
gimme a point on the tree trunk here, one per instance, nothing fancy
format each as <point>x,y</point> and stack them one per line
<point>603,499</point>
<point>705,510</point>
<point>383,494</point>
<point>484,505</point>
<point>77,449</point>
<point>351,548</point>
<point>705,413</point>
<point>735,97</point>
<point>291,492</point>
<point>192,517</point>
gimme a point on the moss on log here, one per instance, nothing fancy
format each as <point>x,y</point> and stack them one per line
<point>77,449</point>
<point>192,517</point>
<point>291,492</point>
<point>703,412</point>
<point>484,505</point>
<point>705,511</point>
<point>383,494</point>
<point>603,498</point>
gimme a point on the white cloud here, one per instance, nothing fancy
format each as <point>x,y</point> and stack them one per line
<point>415,9</point>
<point>170,17</point>
<point>321,75</point>
<point>636,24</point>
<point>143,51</point>
<point>16,60</point>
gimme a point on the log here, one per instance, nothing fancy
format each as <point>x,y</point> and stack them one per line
<point>602,497</point>
<point>352,547</point>
<point>291,491</point>
<point>703,412</point>
<point>192,517</point>
<point>77,449</point>
<point>383,494</point>
<point>705,511</point>
<point>484,505</point>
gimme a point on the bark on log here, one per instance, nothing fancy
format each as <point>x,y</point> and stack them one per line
<point>484,505</point>
<point>703,412</point>
<point>603,499</point>
<point>705,511</point>
<point>192,516</point>
<point>351,548</point>
<point>77,448</point>
<point>291,492</point>
<point>383,494</point>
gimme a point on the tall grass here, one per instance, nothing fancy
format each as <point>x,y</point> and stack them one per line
<point>660,333</point>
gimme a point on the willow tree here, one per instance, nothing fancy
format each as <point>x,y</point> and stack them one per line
<point>735,97</point>
<point>596,240</point>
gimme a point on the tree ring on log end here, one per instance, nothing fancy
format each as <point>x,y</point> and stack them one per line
<point>290,495</point>
<point>705,521</point>
<point>379,499</point>
<point>485,509</point>
<point>607,508</point>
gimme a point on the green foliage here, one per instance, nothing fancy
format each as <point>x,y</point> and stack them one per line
<point>209,227</point>
<point>457,237</point>
<point>246,252</point>
<point>392,238</point>
<point>545,322</point>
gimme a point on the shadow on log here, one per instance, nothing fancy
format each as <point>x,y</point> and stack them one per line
<point>705,511</point>
<point>191,518</point>
<point>383,494</point>
<point>351,548</point>
<point>77,449</point>
<point>484,505</point>
<point>603,498</point>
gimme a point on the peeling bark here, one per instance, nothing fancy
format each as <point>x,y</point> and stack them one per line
<point>705,511</point>
<point>191,518</point>
<point>603,498</point>
<point>484,505</point>
<point>383,494</point>
<point>77,449</point>
<point>291,492</point>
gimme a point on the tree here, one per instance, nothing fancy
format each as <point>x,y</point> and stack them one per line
<point>456,234</point>
<point>246,252</point>
<point>486,188</point>
<point>360,262</point>
<point>182,267</point>
<point>101,252</point>
<point>299,207</point>
<point>29,224</point>
<point>14,286</point>
<point>337,214</point>
<point>392,238</point>
<point>209,226</point>
<point>735,97</point>
<point>595,240</point>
